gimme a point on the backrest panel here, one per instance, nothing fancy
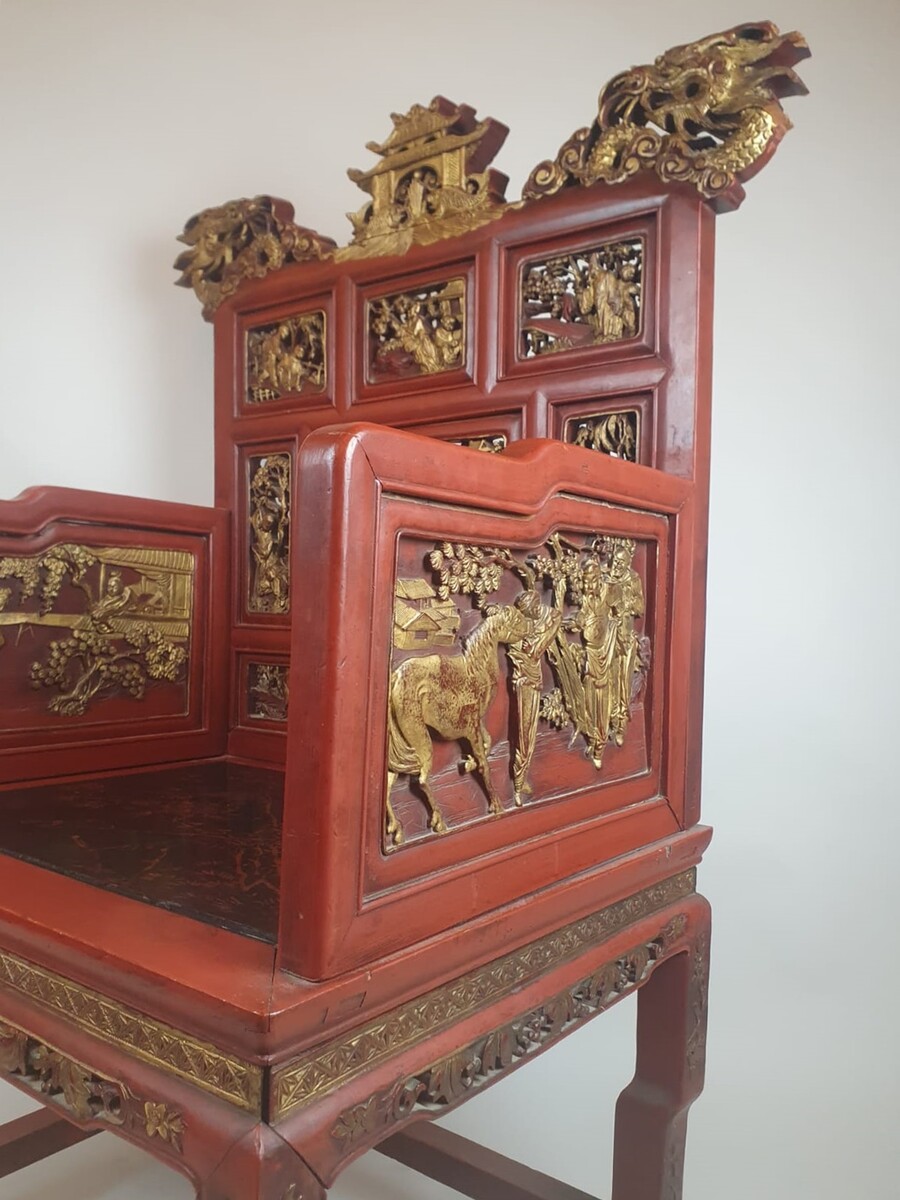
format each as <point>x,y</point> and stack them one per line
<point>584,317</point>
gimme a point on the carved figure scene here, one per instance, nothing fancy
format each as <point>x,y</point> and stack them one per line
<point>587,298</point>
<point>417,333</point>
<point>612,433</point>
<point>269,521</point>
<point>552,640</point>
<point>268,692</point>
<point>126,614</point>
<point>286,358</point>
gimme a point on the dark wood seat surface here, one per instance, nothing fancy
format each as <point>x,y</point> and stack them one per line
<point>203,841</point>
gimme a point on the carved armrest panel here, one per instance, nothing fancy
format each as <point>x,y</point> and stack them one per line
<point>490,681</point>
<point>109,611</point>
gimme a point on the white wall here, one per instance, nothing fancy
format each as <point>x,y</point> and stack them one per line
<point>119,120</point>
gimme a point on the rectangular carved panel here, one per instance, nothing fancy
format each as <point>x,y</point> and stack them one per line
<point>86,624</point>
<point>286,358</point>
<point>614,433</point>
<point>419,332</point>
<point>529,667</point>
<point>268,533</point>
<point>588,297</point>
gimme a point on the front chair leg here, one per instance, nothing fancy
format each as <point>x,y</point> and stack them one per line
<point>261,1167</point>
<point>651,1115</point>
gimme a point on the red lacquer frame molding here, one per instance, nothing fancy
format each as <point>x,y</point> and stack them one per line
<point>336,728</point>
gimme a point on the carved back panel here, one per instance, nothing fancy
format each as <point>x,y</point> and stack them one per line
<point>581,312</point>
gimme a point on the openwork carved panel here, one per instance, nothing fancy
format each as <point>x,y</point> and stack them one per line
<point>267,691</point>
<point>614,433</point>
<point>83,1093</point>
<point>286,358</point>
<point>588,297</point>
<point>337,1062</point>
<point>511,656</point>
<point>444,1083</point>
<point>85,624</point>
<point>269,533</point>
<point>421,332</point>
<point>492,444</point>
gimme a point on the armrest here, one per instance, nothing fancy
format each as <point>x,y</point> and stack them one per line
<point>112,633</point>
<point>491,683</point>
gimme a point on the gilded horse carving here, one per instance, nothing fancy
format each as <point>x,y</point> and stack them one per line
<point>450,694</point>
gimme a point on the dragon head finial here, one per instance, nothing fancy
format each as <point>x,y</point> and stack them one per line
<point>708,113</point>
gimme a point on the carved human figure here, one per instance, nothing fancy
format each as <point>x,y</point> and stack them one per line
<point>447,336</point>
<point>625,598</point>
<point>541,624</point>
<point>115,599</point>
<point>598,630</point>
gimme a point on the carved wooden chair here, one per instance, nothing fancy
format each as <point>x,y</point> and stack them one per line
<point>328,806</point>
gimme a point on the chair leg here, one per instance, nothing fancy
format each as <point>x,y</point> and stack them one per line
<point>651,1115</point>
<point>261,1167</point>
<point>34,1137</point>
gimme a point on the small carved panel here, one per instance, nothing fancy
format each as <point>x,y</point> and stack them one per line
<point>91,623</point>
<point>613,433</point>
<point>420,332</point>
<point>268,528</point>
<point>267,691</point>
<point>286,358</point>
<point>503,661</point>
<point>491,444</point>
<point>589,297</point>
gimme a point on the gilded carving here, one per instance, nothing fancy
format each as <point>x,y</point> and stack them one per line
<point>83,1093</point>
<point>330,1066</point>
<point>286,358</point>
<point>127,611</point>
<point>491,444</point>
<point>612,433</point>
<point>268,692</point>
<point>588,298</point>
<point>432,181</point>
<point>418,333</point>
<point>707,113</point>
<point>421,618</point>
<point>576,612</point>
<point>243,239</point>
<point>444,1083</point>
<point>270,523</point>
<point>231,1079</point>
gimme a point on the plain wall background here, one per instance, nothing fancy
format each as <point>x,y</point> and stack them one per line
<point>119,120</point>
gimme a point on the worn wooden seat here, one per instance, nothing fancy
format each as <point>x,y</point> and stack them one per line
<point>323,808</point>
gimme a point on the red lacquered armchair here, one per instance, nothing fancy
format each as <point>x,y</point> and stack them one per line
<point>326,807</point>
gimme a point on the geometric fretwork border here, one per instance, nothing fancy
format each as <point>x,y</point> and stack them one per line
<point>202,1064</point>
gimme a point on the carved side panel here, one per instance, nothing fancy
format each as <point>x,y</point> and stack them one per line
<point>82,625</point>
<point>514,675</point>
<point>287,358</point>
<point>587,297</point>
<point>269,533</point>
<point>417,332</point>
